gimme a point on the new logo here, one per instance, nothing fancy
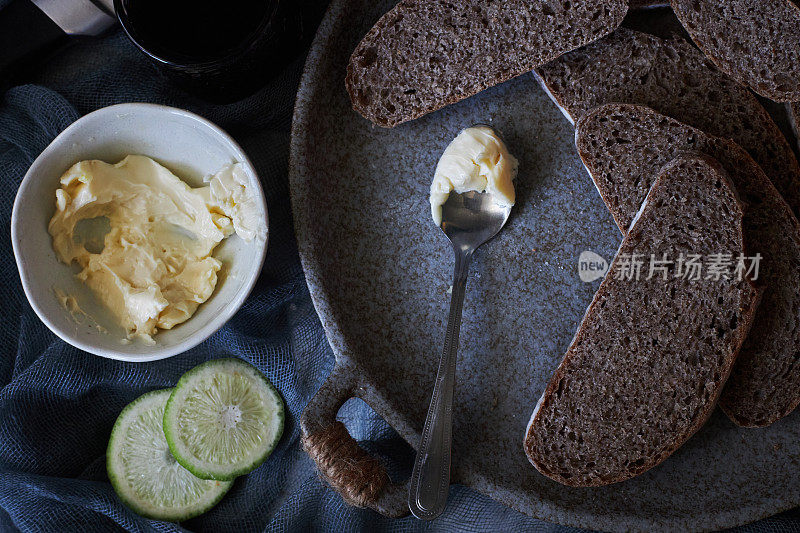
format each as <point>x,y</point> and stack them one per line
<point>591,266</point>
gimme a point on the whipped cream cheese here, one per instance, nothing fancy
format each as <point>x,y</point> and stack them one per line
<point>156,265</point>
<point>476,160</point>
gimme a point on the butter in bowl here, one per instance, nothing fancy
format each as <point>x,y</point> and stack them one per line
<point>139,231</point>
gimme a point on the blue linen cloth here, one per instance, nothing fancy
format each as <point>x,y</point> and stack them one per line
<point>58,404</point>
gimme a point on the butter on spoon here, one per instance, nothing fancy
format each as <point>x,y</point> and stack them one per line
<point>476,160</point>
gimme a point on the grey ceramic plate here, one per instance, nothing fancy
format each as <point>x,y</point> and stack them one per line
<point>379,273</point>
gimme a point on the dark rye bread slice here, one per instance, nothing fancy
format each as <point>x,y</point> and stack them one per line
<point>756,42</point>
<point>623,146</point>
<point>675,79</point>
<point>425,54</point>
<point>650,357</point>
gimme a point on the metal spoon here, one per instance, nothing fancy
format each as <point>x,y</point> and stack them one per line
<point>468,219</point>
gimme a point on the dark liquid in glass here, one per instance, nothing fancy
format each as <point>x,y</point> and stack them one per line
<point>223,50</point>
<point>196,30</point>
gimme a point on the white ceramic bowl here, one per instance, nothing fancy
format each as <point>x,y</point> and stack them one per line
<point>187,144</point>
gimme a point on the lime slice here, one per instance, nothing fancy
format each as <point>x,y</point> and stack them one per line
<point>223,419</point>
<point>143,472</point>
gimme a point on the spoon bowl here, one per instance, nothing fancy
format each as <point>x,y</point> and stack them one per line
<point>471,218</point>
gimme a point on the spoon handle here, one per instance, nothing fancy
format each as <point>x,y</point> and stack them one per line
<point>430,481</point>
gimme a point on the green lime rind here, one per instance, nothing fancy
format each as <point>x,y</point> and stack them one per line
<point>142,471</point>
<point>223,419</point>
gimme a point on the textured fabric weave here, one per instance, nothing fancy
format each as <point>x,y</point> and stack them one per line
<point>58,404</point>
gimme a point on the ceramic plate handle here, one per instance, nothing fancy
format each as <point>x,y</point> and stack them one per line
<point>358,477</point>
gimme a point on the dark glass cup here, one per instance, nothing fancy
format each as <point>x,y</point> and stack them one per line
<point>220,51</point>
